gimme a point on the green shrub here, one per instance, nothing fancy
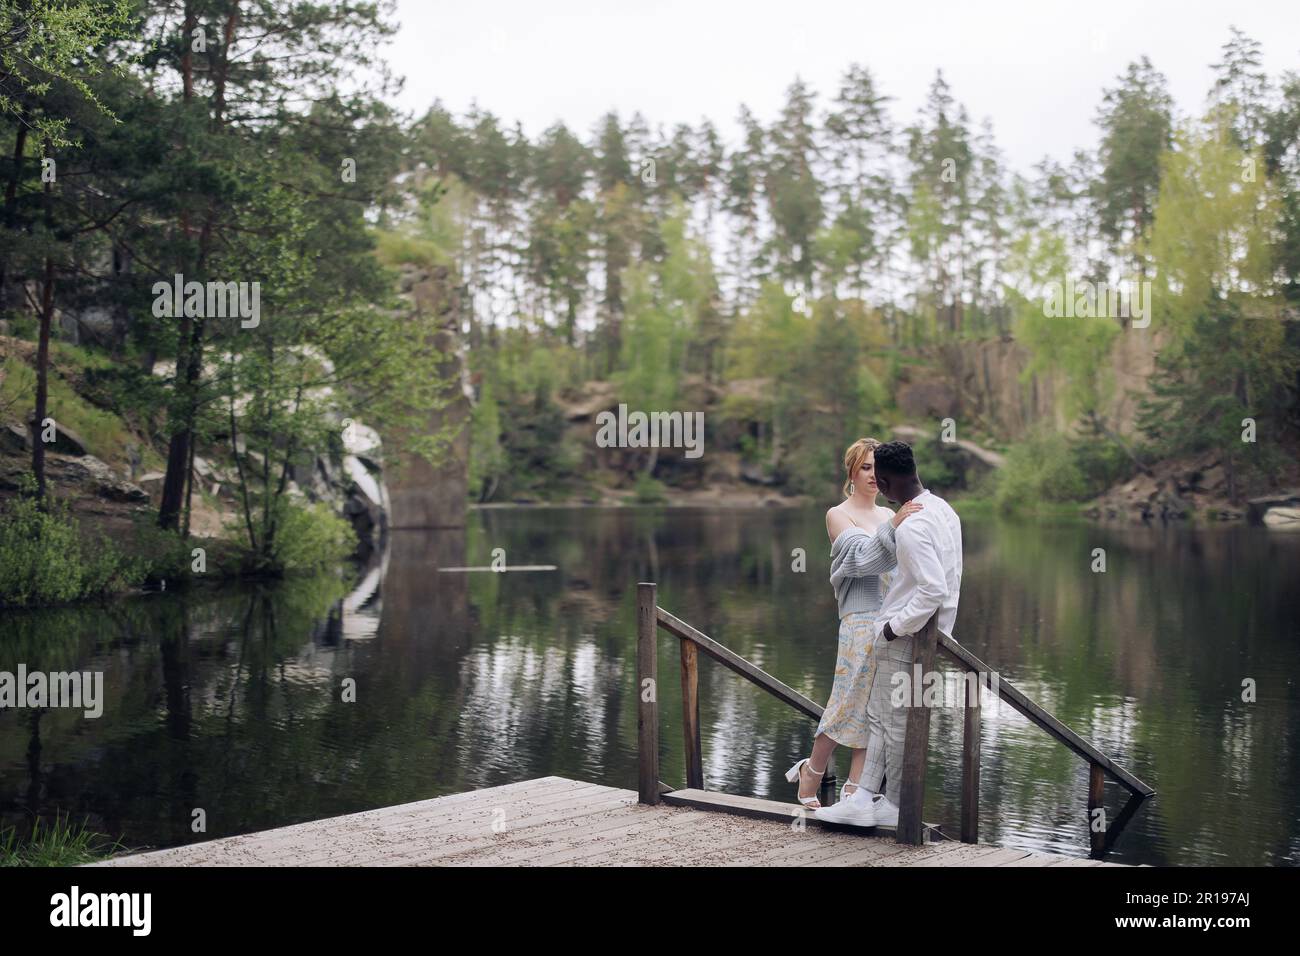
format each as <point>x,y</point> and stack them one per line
<point>1102,463</point>
<point>312,538</point>
<point>649,491</point>
<point>45,560</point>
<point>1044,468</point>
<point>165,555</point>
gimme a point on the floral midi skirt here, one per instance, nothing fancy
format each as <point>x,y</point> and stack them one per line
<point>845,717</point>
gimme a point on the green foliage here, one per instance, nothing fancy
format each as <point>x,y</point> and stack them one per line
<point>45,44</point>
<point>103,431</point>
<point>45,560</point>
<point>937,463</point>
<point>1042,469</point>
<point>1077,348</point>
<point>1135,123</point>
<point>165,556</point>
<point>667,305</point>
<point>487,459</point>
<point>1229,357</point>
<point>60,843</point>
<point>308,538</point>
<point>649,491</point>
<point>818,393</point>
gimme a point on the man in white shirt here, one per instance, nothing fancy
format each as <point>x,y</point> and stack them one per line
<point>928,582</point>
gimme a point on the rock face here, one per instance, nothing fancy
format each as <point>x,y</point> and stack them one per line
<point>421,495</point>
<point>988,383</point>
<point>1275,511</point>
<point>90,484</point>
<point>66,441</point>
<point>1180,487</point>
<point>1282,519</point>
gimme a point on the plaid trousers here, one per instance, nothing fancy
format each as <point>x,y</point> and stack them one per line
<point>887,723</point>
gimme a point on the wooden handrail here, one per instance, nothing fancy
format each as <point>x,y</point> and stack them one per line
<point>1037,715</point>
<point>730,659</point>
<point>916,744</point>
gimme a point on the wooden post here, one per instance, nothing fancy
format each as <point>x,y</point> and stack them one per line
<point>1096,795</point>
<point>647,690</point>
<point>828,791</point>
<point>916,743</point>
<point>970,765</point>
<point>691,714</point>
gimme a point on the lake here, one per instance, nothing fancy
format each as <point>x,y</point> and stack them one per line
<point>253,707</point>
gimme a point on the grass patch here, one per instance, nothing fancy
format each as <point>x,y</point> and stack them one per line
<point>61,843</point>
<point>103,432</point>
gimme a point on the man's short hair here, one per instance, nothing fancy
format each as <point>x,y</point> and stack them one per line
<point>895,458</point>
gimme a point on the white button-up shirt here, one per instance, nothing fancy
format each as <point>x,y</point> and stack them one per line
<point>929,570</point>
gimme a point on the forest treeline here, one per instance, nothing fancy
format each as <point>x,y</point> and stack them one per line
<point>821,250</point>
<point>819,255</point>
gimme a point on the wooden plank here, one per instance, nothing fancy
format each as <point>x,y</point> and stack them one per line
<point>1000,857</point>
<point>1035,859</point>
<point>729,659</point>
<point>1037,715</point>
<point>635,823</point>
<point>880,853</point>
<point>723,840</point>
<point>1074,861</point>
<point>769,810</point>
<point>542,832</point>
<point>820,847</point>
<point>916,745</point>
<point>956,854</point>
<point>245,849</point>
<point>478,817</point>
<point>647,690</point>
<point>691,715</point>
<point>505,811</point>
<point>669,836</point>
<point>970,768</point>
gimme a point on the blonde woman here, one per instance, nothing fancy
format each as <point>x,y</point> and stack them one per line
<point>862,549</point>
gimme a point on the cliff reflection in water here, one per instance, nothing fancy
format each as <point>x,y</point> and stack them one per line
<point>232,701</point>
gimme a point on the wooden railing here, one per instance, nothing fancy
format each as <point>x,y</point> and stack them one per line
<point>910,830</point>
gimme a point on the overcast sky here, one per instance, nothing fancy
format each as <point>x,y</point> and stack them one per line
<point>1036,68</point>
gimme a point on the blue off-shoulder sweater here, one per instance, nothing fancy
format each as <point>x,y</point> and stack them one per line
<point>857,561</point>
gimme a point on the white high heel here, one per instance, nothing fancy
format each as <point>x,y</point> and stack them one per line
<point>792,776</point>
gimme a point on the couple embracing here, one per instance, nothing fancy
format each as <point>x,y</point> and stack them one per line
<point>891,572</point>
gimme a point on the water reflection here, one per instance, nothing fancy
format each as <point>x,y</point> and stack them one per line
<point>233,702</point>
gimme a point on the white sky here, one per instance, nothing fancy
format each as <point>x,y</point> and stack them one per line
<point>1035,67</point>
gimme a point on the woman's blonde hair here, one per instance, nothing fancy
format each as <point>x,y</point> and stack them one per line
<point>854,456</point>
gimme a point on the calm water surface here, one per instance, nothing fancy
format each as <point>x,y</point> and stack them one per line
<point>232,701</point>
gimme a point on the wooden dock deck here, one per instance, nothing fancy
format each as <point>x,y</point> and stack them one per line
<point>554,821</point>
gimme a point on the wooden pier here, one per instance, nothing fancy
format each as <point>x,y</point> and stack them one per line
<point>554,821</point>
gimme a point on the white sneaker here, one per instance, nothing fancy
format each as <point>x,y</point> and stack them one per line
<point>858,810</point>
<point>886,813</point>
